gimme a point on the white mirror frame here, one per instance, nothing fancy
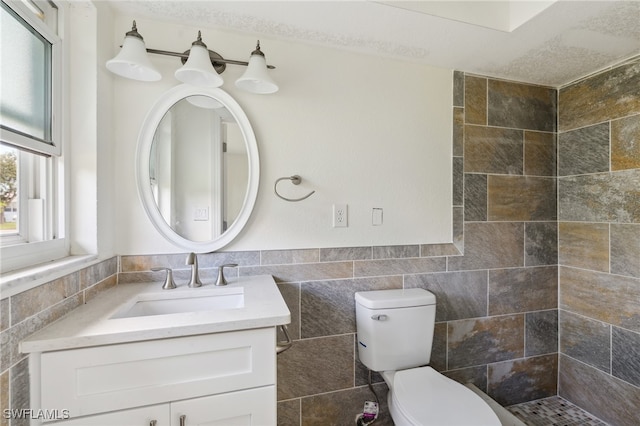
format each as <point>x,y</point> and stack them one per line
<point>143,155</point>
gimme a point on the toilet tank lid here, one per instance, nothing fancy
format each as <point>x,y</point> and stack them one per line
<point>400,298</point>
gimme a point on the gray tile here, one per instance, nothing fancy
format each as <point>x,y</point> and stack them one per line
<point>521,106</point>
<point>518,290</point>
<point>20,392</point>
<point>436,250</point>
<point>491,245</point>
<point>328,307</point>
<point>4,396</point>
<point>475,197</point>
<point>625,353</point>
<point>396,252</point>
<point>607,397</point>
<point>521,198</point>
<point>345,253</point>
<point>340,408</point>
<point>516,381</point>
<point>98,272</point>
<point>302,272</point>
<point>38,299</point>
<point>541,243</point>
<point>275,257</point>
<point>475,375</point>
<point>5,308</point>
<point>493,150</point>
<point>584,245</point>
<point>585,340</point>
<point>289,412</point>
<point>458,229</point>
<point>439,347</point>
<point>603,197</point>
<point>475,100</point>
<point>609,95</point>
<point>459,295</point>
<point>458,181</point>
<point>540,154</point>
<point>541,335</point>
<point>458,132</point>
<point>625,249</point>
<point>485,340</point>
<point>625,149</point>
<point>291,295</point>
<point>420,265</point>
<point>584,150</point>
<point>458,89</point>
<point>613,299</point>
<point>313,366</point>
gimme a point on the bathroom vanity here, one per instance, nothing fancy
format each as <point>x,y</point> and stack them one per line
<point>139,355</point>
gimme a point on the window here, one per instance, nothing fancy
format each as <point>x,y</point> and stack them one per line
<point>31,228</point>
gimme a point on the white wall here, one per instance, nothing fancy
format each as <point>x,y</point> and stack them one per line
<point>360,130</point>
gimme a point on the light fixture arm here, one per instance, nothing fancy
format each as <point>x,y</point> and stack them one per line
<point>216,59</point>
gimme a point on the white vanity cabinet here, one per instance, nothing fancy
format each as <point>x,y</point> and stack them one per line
<point>226,378</point>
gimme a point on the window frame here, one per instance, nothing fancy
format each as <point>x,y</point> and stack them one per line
<point>15,251</point>
<point>19,139</point>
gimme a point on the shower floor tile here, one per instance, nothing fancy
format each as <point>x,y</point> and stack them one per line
<point>553,411</point>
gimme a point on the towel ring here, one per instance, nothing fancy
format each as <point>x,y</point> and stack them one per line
<point>295,179</point>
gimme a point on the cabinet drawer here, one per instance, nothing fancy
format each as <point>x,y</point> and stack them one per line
<point>106,378</point>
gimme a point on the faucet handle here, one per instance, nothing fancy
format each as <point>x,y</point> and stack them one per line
<point>169,284</point>
<point>221,280</point>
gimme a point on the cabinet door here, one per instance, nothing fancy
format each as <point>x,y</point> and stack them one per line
<point>143,416</point>
<point>252,407</point>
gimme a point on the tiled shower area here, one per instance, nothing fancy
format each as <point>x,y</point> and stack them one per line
<point>538,297</point>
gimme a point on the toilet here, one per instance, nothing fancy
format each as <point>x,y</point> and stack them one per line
<point>395,334</point>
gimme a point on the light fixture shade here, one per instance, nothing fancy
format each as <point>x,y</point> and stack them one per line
<point>199,71</point>
<point>256,78</point>
<point>132,61</point>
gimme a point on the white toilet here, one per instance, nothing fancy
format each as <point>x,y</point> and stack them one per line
<point>395,333</point>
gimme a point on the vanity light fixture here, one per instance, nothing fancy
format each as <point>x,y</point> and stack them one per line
<point>201,66</point>
<point>198,70</point>
<point>132,61</point>
<point>256,79</point>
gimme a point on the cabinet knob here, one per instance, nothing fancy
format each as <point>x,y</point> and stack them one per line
<point>183,420</point>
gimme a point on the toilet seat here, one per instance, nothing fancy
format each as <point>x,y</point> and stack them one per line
<point>424,397</point>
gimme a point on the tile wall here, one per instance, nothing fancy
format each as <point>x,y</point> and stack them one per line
<point>27,312</point>
<point>599,243</point>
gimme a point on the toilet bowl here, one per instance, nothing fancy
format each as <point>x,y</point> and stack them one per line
<point>423,397</point>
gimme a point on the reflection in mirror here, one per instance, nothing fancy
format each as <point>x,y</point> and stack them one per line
<point>198,168</point>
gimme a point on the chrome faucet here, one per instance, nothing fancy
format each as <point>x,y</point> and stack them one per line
<point>192,260</point>
<point>221,279</point>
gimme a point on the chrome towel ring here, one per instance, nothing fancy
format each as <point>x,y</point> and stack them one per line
<point>295,179</point>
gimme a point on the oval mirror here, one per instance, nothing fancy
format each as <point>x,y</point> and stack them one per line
<point>197,167</point>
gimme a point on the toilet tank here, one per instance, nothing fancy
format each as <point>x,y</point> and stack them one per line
<point>395,328</point>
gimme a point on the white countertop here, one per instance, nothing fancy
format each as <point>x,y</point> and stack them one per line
<point>92,325</point>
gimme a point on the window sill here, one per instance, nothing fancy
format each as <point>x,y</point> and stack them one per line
<point>21,280</point>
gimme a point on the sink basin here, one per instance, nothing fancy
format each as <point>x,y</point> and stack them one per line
<point>165,303</point>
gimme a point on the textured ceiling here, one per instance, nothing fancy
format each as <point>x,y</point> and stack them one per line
<point>564,42</point>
